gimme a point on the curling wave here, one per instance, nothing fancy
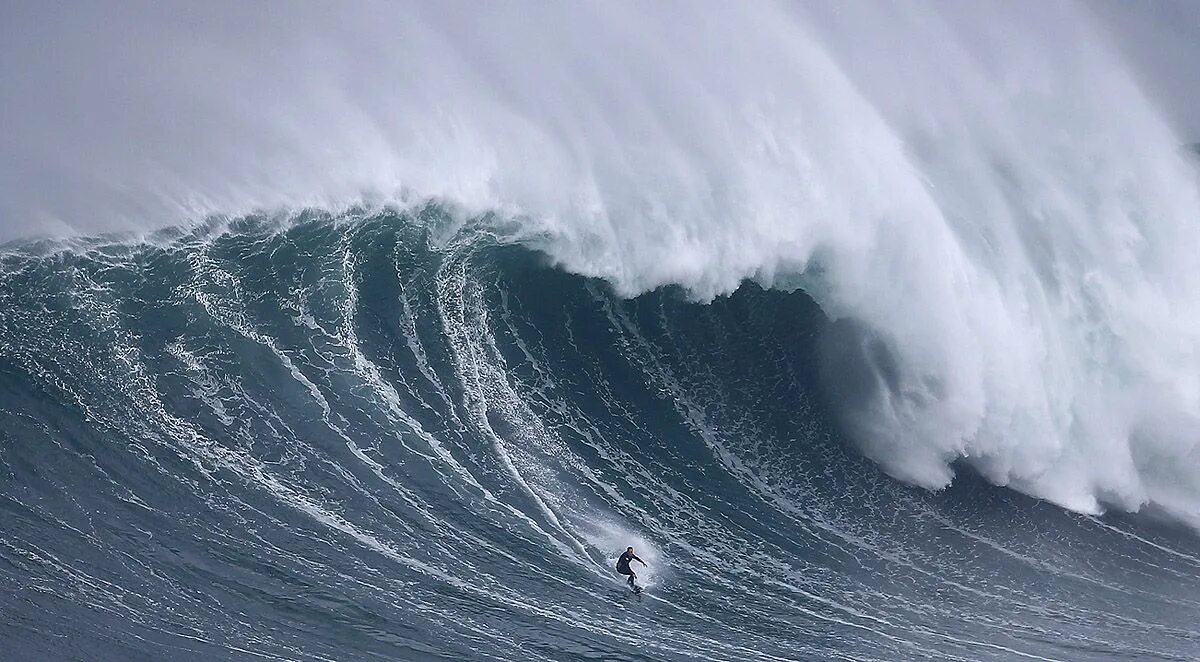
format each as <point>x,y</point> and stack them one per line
<point>1008,225</point>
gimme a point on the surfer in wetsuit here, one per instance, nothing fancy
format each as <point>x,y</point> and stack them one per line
<point>623,566</point>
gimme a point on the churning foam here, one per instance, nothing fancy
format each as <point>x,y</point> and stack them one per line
<point>985,196</point>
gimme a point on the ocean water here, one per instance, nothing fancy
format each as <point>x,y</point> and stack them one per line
<point>358,437</point>
<point>377,331</point>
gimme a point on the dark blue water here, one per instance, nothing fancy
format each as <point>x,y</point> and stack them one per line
<point>385,436</point>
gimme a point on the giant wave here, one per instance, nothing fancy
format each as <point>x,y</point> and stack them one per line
<point>1010,221</point>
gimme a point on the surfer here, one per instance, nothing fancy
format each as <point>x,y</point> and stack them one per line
<point>624,569</point>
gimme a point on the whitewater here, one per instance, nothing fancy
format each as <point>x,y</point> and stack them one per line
<point>379,331</point>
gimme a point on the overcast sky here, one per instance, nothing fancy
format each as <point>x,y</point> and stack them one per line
<point>1162,40</point>
<point>102,105</point>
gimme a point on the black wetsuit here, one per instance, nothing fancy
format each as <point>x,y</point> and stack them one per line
<point>623,565</point>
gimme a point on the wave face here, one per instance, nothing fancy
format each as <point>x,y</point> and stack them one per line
<point>401,435</point>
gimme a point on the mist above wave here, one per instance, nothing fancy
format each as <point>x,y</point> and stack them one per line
<point>987,195</point>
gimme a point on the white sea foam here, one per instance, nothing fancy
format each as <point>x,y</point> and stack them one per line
<point>987,195</point>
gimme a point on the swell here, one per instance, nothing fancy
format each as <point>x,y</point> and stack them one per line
<point>400,434</point>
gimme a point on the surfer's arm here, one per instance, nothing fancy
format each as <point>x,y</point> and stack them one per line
<point>640,561</point>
